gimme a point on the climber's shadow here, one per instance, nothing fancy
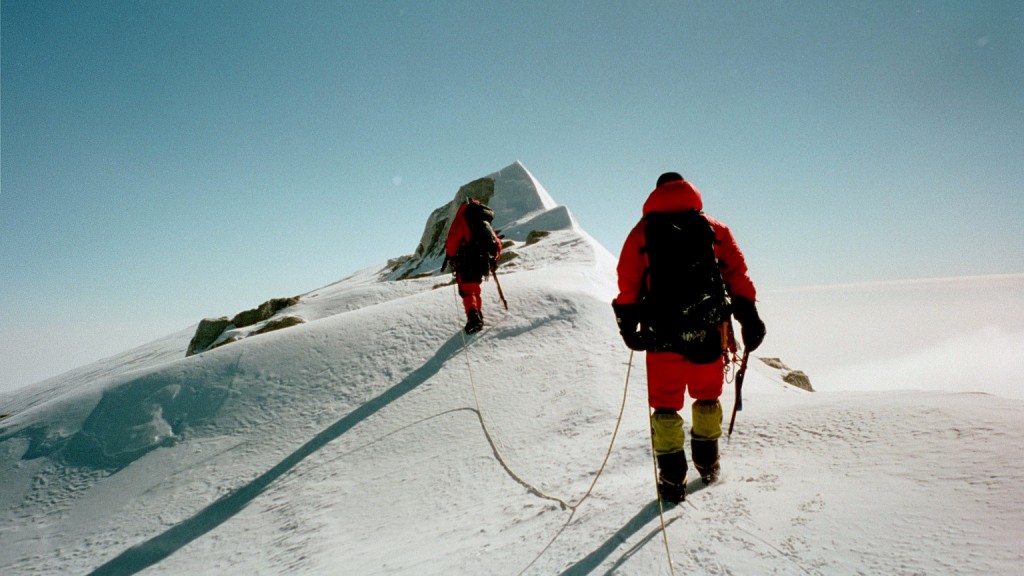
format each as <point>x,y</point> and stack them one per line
<point>148,553</point>
<point>646,516</point>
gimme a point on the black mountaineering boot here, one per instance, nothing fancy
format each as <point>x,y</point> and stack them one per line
<point>672,477</point>
<point>707,428</point>
<point>474,322</point>
<point>705,459</point>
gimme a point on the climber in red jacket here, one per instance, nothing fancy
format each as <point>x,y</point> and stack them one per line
<point>472,248</point>
<point>686,349</point>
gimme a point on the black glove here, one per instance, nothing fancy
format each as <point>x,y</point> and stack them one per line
<point>627,316</point>
<point>753,328</point>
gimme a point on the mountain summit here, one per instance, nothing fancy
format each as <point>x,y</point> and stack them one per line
<point>521,207</point>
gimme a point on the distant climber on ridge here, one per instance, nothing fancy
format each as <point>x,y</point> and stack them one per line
<point>681,274</point>
<point>472,249</point>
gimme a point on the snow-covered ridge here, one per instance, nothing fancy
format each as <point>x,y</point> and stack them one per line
<point>368,437</point>
<point>146,433</point>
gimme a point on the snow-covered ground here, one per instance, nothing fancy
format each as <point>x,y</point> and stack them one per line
<point>373,439</point>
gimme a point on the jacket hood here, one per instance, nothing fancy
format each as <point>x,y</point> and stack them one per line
<point>677,196</point>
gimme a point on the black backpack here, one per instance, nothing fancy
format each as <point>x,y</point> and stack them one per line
<point>475,256</point>
<point>684,299</point>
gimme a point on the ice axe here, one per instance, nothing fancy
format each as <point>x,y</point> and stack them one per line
<point>738,403</point>
<point>494,272</point>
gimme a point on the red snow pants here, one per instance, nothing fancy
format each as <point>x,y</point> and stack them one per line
<point>670,376</point>
<point>470,292</point>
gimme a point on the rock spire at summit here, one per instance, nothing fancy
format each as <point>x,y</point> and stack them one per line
<point>521,205</point>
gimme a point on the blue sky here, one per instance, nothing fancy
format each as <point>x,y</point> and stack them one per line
<point>167,161</point>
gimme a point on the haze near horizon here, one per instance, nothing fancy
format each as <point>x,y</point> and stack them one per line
<point>168,161</point>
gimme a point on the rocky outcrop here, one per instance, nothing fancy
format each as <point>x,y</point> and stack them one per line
<point>535,236</point>
<point>280,323</point>
<point>263,312</point>
<point>799,379</point>
<point>216,332</point>
<point>789,376</point>
<point>521,207</point>
<point>207,333</point>
<point>432,243</point>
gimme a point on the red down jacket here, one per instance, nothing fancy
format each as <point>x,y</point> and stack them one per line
<point>679,196</point>
<point>459,232</point>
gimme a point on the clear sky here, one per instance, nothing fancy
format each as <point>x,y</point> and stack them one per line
<point>163,161</point>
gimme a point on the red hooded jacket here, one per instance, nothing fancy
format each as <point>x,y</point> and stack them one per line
<point>459,233</point>
<point>679,196</point>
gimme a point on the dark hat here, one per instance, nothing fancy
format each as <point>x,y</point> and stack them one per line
<point>669,177</point>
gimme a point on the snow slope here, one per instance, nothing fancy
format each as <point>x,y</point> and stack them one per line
<point>373,439</point>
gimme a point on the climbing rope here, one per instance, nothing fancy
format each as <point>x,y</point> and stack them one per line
<point>661,507</point>
<point>531,488</point>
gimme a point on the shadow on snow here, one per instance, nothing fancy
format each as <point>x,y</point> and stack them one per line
<point>645,516</point>
<point>152,551</point>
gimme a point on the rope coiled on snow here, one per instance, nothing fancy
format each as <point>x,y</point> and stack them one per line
<point>540,493</point>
